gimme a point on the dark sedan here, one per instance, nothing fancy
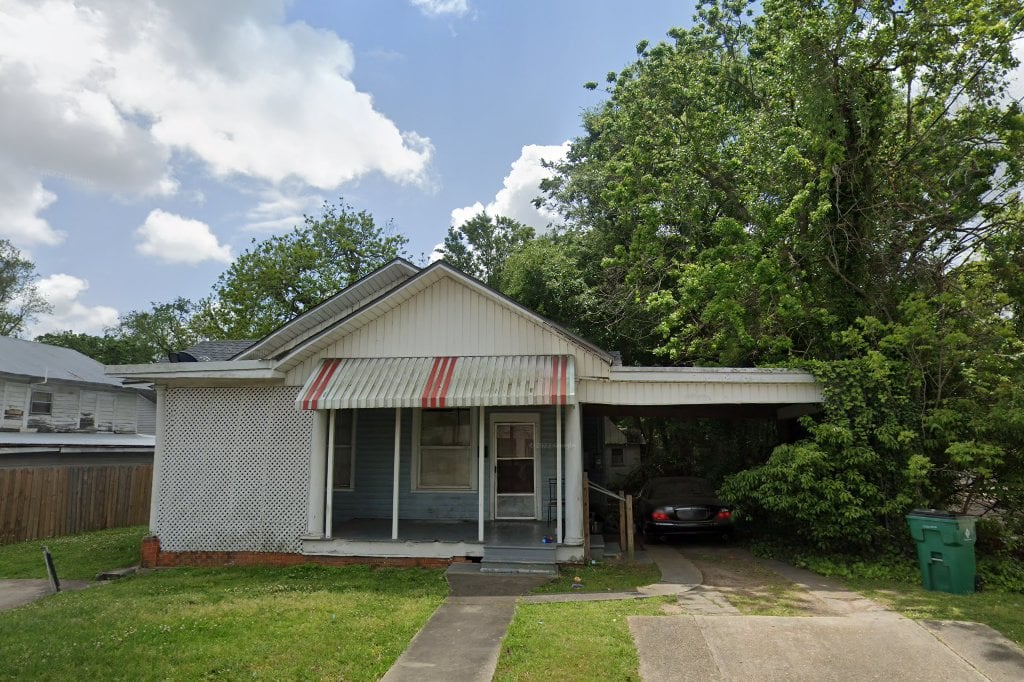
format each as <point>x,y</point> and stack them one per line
<point>681,505</point>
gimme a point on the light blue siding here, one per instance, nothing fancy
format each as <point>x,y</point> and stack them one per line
<point>374,453</point>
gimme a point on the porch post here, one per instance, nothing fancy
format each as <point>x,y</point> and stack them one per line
<point>480,476</point>
<point>317,475</point>
<point>158,458</point>
<point>573,477</point>
<point>329,486</point>
<point>396,473</point>
<point>559,521</point>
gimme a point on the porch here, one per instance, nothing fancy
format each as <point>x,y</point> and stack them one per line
<point>504,541</point>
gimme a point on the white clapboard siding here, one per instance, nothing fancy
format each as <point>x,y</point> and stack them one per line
<point>15,404</point>
<point>701,386</point>
<point>104,412</point>
<point>145,415</point>
<point>124,413</point>
<point>87,410</point>
<point>450,318</point>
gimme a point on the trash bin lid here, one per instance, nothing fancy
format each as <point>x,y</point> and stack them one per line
<point>932,513</point>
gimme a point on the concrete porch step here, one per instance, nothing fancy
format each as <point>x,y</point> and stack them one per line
<point>521,554</point>
<point>597,548</point>
<point>518,568</point>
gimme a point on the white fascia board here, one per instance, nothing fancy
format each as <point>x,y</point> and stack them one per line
<point>258,370</point>
<point>722,375</point>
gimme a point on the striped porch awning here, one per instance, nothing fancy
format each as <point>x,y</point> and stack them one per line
<point>449,381</point>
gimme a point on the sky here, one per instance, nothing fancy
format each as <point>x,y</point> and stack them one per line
<point>145,144</point>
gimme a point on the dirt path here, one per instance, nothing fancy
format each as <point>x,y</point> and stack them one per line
<point>748,585</point>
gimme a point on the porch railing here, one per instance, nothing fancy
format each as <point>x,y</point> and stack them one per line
<point>625,517</point>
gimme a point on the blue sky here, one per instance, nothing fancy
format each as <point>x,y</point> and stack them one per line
<point>143,144</point>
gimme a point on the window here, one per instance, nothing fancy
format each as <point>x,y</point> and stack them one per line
<point>617,459</point>
<point>41,403</point>
<point>444,454</point>
<point>342,438</point>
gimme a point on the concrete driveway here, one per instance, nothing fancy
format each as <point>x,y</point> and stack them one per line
<point>843,637</point>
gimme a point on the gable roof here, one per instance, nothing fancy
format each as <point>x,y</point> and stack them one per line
<point>37,362</point>
<point>211,351</point>
<point>404,291</point>
<point>351,298</point>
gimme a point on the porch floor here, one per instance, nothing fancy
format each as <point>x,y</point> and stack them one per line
<point>503,533</point>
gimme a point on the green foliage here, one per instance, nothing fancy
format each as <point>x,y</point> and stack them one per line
<point>828,185</point>
<point>105,349</point>
<point>283,276</point>
<point>20,301</point>
<point>165,328</point>
<point>481,246</point>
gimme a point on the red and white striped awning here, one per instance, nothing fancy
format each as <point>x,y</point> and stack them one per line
<point>449,381</point>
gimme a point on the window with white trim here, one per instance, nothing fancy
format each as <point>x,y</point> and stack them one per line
<point>341,442</point>
<point>444,450</point>
<point>41,402</point>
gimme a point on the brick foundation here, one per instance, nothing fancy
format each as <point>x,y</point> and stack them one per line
<point>154,557</point>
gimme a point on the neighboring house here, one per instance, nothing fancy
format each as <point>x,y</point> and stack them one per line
<point>48,389</point>
<point>417,414</point>
<point>623,452</point>
<point>76,445</point>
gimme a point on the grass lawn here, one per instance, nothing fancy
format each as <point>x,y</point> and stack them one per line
<point>76,557</point>
<point>304,622</point>
<point>1003,611</point>
<point>573,641</point>
<point>605,577</point>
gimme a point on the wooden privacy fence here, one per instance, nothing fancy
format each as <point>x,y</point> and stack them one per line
<point>46,501</point>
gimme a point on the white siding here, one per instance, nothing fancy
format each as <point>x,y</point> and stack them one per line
<point>124,413</point>
<point>450,318</point>
<point>104,411</point>
<point>145,411</point>
<point>703,392</point>
<point>14,408</point>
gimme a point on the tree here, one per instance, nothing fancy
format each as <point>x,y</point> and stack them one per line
<point>104,349</point>
<point>832,184</point>
<point>20,301</point>
<point>283,276</point>
<point>482,245</point>
<point>149,335</point>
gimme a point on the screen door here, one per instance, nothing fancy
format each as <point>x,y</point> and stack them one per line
<point>515,461</point>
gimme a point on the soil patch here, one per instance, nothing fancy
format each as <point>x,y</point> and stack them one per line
<point>748,585</point>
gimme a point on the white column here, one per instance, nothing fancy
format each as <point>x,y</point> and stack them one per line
<point>559,455</point>
<point>158,458</point>
<point>396,475</point>
<point>481,430</point>
<point>317,475</point>
<point>329,487</point>
<point>573,477</point>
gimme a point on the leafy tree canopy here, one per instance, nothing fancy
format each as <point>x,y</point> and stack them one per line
<point>482,245</point>
<point>283,276</point>
<point>20,301</point>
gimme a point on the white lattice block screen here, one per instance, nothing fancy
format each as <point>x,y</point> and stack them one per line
<point>235,470</point>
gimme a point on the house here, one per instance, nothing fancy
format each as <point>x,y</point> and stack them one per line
<point>76,445</point>
<point>623,452</point>
<point>417,415</point>
<point>49,390</point>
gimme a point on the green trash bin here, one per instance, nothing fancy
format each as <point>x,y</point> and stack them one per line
<point>945,549</point>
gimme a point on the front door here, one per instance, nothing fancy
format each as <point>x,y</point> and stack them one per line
<point>514,444</point>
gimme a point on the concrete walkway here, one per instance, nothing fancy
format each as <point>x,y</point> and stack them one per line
<point>15,593</point>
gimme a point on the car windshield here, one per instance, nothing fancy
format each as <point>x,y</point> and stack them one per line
<point>680,485</point>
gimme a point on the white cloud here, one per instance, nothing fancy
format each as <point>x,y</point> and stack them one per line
<point>22,199</point>
<point>107,93</point>
<point>519,188</point>
<point>434,8</point>
<point>1016,90</point>
<point>174,239</point>
<point>282,209</point>
<point>63,291</point>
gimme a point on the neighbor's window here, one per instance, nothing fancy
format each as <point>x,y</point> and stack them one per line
<point>444,454</point>
<point>41,403</point>
<point>617,458</point>
<point>343,423</point>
